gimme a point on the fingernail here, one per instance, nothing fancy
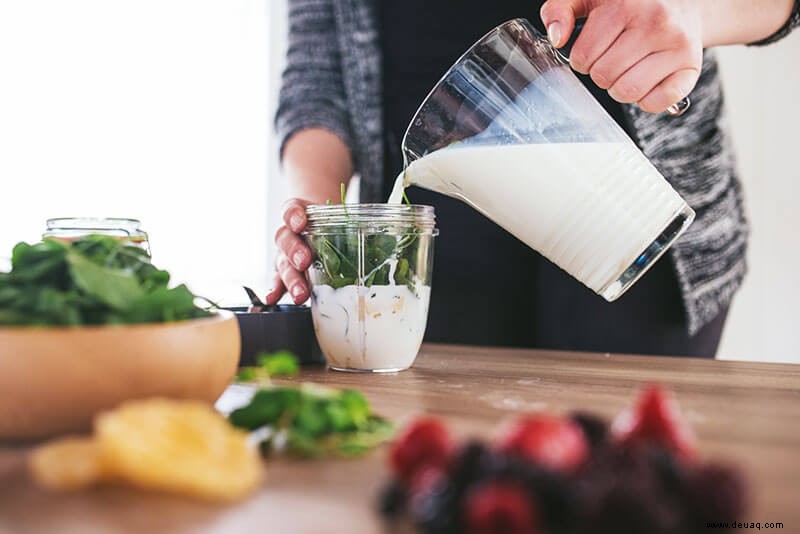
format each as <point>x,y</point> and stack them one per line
<point>298,258</point>
<point>554,33</point>
<point>296,221</point>
<point>297,291</point>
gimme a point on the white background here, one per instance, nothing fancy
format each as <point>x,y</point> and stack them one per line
<point>161,110</point>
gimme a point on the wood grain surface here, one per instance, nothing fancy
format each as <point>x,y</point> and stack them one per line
<point>748,413</point>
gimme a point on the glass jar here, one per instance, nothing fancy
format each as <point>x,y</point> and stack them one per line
<point>71,228</point>
<point>370,280</point>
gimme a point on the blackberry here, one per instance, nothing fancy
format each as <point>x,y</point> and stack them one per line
<point>669,470</point>
<point>554,495</point>
<point>595,428</point>
<point>392,500</point>
<point>623,490</point>
<point>468,465</point>
<point>436,510</point>
<point>716,492</point>
<point>626,506</point>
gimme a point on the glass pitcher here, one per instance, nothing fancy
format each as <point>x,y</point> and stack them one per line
<point>511,131</point>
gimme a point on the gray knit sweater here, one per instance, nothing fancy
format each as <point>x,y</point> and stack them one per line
<point>333,80</point>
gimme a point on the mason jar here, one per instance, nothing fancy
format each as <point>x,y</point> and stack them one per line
<point>370,279</point>
<point>72,228</point>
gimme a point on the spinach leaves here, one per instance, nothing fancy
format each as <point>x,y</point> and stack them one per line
<point>308,420</point>
<point>338,257</point>
<point>90,281</point>
<point>386,258</point>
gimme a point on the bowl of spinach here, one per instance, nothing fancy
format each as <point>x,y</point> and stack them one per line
<point>87,324</point>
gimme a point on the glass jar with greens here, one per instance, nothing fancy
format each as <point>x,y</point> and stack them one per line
<point>370,282</point>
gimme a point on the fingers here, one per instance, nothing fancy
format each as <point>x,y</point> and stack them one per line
<point>603,27</point>
<point>294,256</point>
<point>293,247</point>
<point>294,214</point>
<point>676,87</point>
<point>277,290</point>
<point>645,52</point>
<point>559,17</point>
<point>643,78</point>
<point>292,279</point>
<point>628,50</point>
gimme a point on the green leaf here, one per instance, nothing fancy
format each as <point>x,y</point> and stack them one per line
<point>117,289</point>
<point>311,417</point>
<point>401,273</point>
<point>281,363</point>
<point>266,407</point>
<point>164,305</point>
<point>246,374</point>
<point>356,406</point>
<point>37,262</point>
<point>301,443</point>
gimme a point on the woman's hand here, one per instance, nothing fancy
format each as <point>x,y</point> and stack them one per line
<point>648,52</point>
<point>316,162</point>
<point>294,256</point>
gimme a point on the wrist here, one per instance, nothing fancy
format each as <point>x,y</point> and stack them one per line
<point>742,21</point>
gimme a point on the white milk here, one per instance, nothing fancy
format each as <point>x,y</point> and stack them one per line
<point>370,328</point>
<point>590,208</point>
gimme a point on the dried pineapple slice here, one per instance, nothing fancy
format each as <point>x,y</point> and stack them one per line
<point>179,446</point>
<point>67,464</point>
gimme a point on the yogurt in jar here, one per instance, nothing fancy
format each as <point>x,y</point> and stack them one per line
<point>377,328</point>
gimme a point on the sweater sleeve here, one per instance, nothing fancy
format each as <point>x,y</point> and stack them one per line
<point>792,23</point>
<point>312,91</point>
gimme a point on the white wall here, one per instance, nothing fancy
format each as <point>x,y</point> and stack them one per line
<point>152,109</point>
<point>762,86</point>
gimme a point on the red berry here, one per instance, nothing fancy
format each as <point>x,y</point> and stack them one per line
<point>656,419</point>
<point>500,508</point>
<point>552,442</point>
<point>425,479</point>
<point>424,443</point>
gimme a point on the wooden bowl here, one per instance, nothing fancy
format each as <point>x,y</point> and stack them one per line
<point>55,379</point>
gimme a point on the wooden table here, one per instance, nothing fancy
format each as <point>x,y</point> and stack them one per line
<point>743,412</point>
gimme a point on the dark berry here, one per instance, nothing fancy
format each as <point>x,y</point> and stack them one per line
<point>625,506</point>
<point>392,499</point>
<point>434,509</point>
<point>425,442</point>
<point>555,494</point>
<point>716,492</point>
<point>468,464</point>
<point>499,508</point>
<point>622,490</point>
<point>594,428</point>
<point>671,472</point>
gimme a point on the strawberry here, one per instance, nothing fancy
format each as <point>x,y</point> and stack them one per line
<point>552,442</point>
<point>656,419</point>
<point>500,508</point>
<point>425,443</point>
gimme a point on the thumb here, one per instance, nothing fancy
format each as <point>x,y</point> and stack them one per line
<point>559,17</point>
